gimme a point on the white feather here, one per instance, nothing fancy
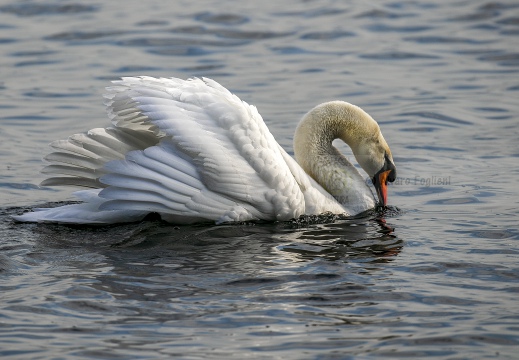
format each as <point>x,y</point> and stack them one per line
<point>189,150</point>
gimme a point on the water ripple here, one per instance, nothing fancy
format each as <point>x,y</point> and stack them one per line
<point>436,116</point>
<point>82,35</point>
<point>383,14</point>
<point>486,12</point>
<point>403,29</point>
<point>250,35</point>
<point>173,42</point>
<point>221,18</point>
<point>445,40</point>
<point>313,13</point>
<point>502,58</point>
<point>28,9</point>
<point>397,55</point>
<point>434,277</point>
<point>326,35</point>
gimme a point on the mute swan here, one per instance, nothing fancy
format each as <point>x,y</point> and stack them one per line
<point>192,151</point>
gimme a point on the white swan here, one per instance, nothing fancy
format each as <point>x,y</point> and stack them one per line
<point>192,151</point>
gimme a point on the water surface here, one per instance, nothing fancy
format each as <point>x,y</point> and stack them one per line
<point>434,276</point>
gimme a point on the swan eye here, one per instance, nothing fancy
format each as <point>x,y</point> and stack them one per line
<point>392,176</point>
<point>388,165</point>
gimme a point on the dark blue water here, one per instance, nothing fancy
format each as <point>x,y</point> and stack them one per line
<point>434,276</point>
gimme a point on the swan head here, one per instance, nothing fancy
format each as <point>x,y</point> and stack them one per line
<point>371,151</point>
<point>341,120</point>
<point>386,173</point>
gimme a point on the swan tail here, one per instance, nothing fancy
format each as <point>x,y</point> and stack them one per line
<point>79,160</point>
<point>159,179</point>
<point>86,212</point>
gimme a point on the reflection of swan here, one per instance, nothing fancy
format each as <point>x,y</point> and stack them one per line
<point>192,151</point>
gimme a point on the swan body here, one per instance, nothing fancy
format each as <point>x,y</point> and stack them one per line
<point>191,151</point>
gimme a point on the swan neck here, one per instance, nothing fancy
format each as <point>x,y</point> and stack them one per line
<point>315,153</point>
<point>325,123</point>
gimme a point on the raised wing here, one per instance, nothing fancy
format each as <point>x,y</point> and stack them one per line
<point>217,159</point>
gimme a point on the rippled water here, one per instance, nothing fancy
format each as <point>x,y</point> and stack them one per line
<point>435,276</point>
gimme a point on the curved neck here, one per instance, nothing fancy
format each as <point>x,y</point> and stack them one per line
<point>317,156</point>
<point>325,123</point>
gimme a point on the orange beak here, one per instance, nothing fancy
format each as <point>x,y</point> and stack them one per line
<point>382,187</point>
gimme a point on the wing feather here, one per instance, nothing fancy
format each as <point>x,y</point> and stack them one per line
<point>187,149</point>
